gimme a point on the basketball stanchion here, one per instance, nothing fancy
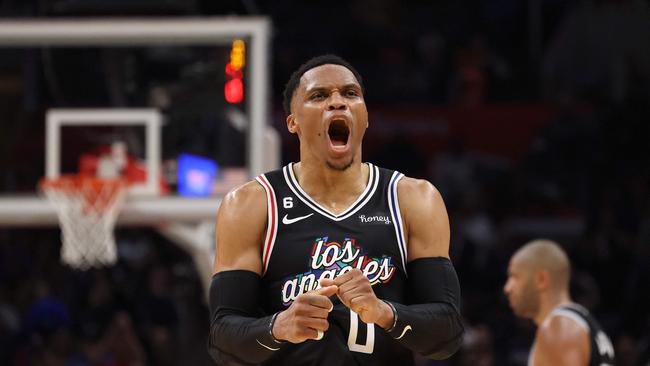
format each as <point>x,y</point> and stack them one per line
<point>87,209</point>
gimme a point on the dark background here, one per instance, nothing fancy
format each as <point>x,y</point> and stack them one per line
<point>531,117</point>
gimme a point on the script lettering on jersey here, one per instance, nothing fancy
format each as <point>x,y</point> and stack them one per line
<point>332,259</point>
<point>381,219</point>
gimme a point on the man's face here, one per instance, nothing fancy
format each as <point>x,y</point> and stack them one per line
<point>329,115</point>
<point>520,289</point>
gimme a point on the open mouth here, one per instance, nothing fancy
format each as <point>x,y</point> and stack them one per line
<point>338,133</point>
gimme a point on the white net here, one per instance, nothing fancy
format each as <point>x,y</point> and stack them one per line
<point>87,209</point>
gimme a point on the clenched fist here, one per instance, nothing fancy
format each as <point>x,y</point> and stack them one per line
<point>306,317</point>
<point>355,292</point>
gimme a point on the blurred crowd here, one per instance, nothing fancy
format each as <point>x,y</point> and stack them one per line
<point>148,309</point>
<point>582,178</point>
<point>585,183</point>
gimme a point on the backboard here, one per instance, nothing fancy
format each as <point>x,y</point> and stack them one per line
<point>149,118</point>
<point>186,221</point>
<point>262,148</point>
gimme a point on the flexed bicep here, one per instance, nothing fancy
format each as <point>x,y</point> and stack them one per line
<point>425,217</point>
<point>240,227</point>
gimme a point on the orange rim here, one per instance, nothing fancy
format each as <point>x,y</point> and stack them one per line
<point>98,193</point>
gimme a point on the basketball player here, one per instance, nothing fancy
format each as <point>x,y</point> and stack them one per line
<point>332,261</point>
<point>538,289</point>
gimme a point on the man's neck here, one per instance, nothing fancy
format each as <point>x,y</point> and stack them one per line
<point>334,189</point>
<point>548,302</point>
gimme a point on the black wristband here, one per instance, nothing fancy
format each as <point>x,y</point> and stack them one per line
<point>240,333</point>
<point>430,324</point>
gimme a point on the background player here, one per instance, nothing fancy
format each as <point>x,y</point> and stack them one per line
<point>538,289</point>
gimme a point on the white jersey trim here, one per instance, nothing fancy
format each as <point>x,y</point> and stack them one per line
<point>396,214</point>
<point>364,197</point>
<point>560,311</point>
<point>271,223</point>
<point>569,314</point>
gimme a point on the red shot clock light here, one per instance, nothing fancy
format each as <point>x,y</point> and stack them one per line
<point>234,87</point>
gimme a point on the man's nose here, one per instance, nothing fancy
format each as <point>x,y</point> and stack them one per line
<point>506,287</point>
<point>336,101</point>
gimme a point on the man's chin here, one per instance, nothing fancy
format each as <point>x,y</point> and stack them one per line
<point>516,310</point>
<point>340,165</point>
<point>521,313</point>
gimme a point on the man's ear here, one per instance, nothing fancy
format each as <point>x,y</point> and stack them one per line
<point>292,125</point>
<point>542,279</point>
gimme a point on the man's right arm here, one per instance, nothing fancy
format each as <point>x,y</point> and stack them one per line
<point>240,333</point>
<point>240,229</point>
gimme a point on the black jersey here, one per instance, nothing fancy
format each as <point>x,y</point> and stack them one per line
<point>306,242</point>
<point>602,351</point>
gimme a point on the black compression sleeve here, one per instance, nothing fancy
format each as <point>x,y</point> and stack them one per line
<point>239,333</point>
<point>431,323</point>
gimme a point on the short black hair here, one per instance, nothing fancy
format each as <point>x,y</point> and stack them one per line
<point>294,80</point>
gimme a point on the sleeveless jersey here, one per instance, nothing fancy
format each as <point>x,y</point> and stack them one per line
<point>602,351</point>
<point>306,242</point>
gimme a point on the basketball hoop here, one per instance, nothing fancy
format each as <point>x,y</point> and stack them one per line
<point>87,208</point>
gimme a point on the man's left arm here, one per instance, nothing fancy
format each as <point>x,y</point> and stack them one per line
<point>430,322</point>
<point>432,313</point>
<point>561,342</point>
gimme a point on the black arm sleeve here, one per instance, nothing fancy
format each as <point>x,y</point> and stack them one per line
<point>431,324</point>
<point>239,333</point>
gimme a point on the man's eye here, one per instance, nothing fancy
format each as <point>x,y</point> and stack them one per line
<point>317,96</point>
<point>353,93</point>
